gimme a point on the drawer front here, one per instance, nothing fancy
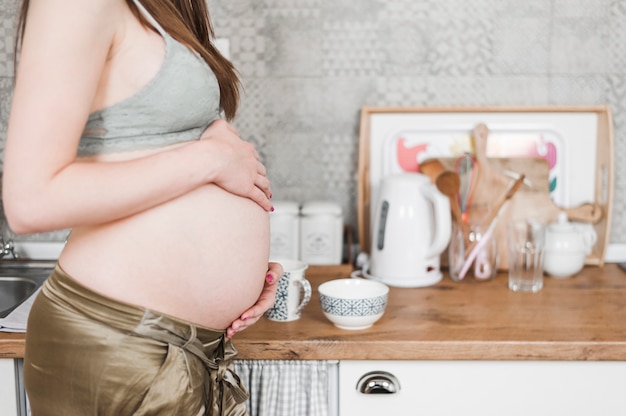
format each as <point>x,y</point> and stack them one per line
<point>484,387</point>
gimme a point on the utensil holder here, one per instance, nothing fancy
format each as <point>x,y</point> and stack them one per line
<point>484,267</point>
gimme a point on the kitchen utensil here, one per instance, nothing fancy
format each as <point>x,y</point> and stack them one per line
<point>353,303</point>
<point>491,218</point>
<point>448,184</point>
<point>490,223</point>
<point>566,247</point>
<point>491,181</point>
<point>411,229</point>
<point>485,264</point>
<point>475,250</point>
<point>432,168</point>
<point>468,169</point>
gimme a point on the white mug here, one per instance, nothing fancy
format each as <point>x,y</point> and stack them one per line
<point>293,293</point>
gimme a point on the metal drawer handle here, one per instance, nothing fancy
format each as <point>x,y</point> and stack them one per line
<point>378,382</point>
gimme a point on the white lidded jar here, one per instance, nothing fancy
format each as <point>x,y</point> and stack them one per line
<point>567,246</point>
<point>285,230</point>
<point>321,233</point>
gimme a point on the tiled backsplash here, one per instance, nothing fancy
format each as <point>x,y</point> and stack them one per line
<point>309,65</point>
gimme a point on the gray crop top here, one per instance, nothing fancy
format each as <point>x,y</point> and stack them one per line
<point>175,106</point>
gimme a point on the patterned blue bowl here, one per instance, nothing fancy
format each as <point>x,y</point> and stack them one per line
<point>353,303</point>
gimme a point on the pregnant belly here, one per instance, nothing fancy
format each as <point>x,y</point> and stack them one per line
<point>201,257</point>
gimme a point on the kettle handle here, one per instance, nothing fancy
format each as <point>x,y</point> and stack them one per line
<point>443,220</point>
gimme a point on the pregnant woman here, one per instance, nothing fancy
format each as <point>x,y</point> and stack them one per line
<point>116,132</point>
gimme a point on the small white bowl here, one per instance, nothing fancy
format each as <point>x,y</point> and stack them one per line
<point>353,303</point>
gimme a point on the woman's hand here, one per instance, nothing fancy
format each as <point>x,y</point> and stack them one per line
<point>265,301</point>
<point>235,164</point>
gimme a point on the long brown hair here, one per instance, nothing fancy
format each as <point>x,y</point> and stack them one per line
<point>188,22</point>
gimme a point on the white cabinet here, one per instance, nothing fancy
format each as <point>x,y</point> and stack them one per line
<point>485,388</point>
<point>8,390</point>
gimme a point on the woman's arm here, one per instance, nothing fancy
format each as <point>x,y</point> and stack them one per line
<point>64,51</point>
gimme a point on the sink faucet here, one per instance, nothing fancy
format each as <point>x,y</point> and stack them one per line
<point>7,248</point>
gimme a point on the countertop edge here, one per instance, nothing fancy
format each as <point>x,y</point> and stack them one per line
<point>12,346</point>
<point>448,350</point>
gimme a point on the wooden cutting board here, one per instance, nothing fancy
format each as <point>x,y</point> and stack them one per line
<point>532,200</point>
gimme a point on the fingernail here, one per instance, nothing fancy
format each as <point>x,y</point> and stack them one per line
<point>269,278</point>
<point>272,209</point>
<point>244,318</point>
<point>270,196</point>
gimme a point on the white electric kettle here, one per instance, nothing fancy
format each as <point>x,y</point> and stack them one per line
<point>412,228</point>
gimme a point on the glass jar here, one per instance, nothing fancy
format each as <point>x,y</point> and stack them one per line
<point>484,266</point>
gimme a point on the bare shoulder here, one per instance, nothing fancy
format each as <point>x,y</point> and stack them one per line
<point>59,29</point>
<point>93,16</point>
<point>99,6</point>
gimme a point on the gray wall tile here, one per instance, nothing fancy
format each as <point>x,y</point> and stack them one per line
<point>521,45</point>
<point>397,90</point>
<point>616,37</point>
<point>578,46</point>
<point>6,87</point>
<point>596,9</point>
<point>8,24</point>
<point>578,90</point>
<point>294,105</point>
<point>351,48</point>
<point>294,45</point>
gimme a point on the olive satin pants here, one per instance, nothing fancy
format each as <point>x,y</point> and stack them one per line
<point>87,354</point>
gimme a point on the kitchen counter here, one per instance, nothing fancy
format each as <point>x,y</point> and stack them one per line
<point>581,318</point>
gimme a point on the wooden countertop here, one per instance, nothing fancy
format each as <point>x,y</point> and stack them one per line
<point>581,318</point>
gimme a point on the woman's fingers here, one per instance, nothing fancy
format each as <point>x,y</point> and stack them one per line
<point>261,169</point>
<point>265,302</point>
<point>236,164</point>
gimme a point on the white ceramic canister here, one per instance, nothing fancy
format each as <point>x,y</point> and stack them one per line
<point>321,233</point>
<point>285,230</point>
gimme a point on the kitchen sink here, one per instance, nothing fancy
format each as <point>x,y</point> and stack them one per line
<point>13,291</point>
<point>19,280</point>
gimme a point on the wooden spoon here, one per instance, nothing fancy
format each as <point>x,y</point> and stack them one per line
<point>432,168</point>
<point>449,183</point>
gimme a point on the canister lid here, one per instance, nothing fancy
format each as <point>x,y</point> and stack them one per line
<point>561,224</point>
<point>321,208</point>
<point>285,207</point>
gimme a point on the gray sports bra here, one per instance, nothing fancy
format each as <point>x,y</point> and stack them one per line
<point>175,106</point>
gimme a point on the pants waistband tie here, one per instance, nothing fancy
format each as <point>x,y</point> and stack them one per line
<point>163,329</point>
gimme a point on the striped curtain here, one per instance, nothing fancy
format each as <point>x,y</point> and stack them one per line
<point>287,388</point>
